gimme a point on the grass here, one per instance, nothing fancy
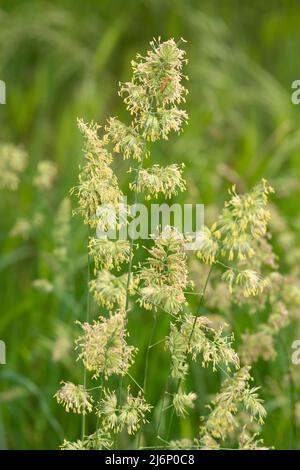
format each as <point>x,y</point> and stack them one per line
<point>61,61</point>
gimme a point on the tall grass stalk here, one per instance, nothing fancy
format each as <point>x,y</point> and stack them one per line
<point>159,283</point>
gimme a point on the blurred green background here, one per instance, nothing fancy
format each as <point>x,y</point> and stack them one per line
<point>63,59</point>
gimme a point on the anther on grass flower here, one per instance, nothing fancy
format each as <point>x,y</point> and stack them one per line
<point>235,394</point>
<point>198,337</point>
<point>155,180</point>
<point>164,277</point>
<point>209,247</point>
<point>103,347</point>
<point>253,404</point>
<point>99,440</point>
<point>126,140</point>
<point>74,398</point>
<point>181,444</point>
<point>130,415</point>
<point>171,120</point>
<point>250,442</point>
<point>108,254</point>
<point>155,90</point>
<point>168,298</point>
<point>207,442</point>
<point>97,183</point>
<point>133,412</point>
<point>13,161</point>
<point>244,218</point>
<point>150,125</point>
<point>250,209</point>
<point>110,217</point>
<point>177,346</point>
<point>76,445</point>
<point>93,145</point>
<point>249,281</point>
<point>109,290</point>
<point>183,402</point>
<point>161,71</point>
<point>243,221</point>
<point>107,410</point>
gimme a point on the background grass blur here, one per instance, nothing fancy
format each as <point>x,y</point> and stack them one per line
<point>61,59</point>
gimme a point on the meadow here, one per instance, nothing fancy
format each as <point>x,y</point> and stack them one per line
<point>62,61</point>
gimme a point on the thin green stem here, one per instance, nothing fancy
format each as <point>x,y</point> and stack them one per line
<point>134,381</point>
<point>168,407</point>
<point>146,369</point>
<point>161,408</point>
<point>157,343</point>
<point>148,353</point>
<point>120,391</point>
<point>93,388</point>
<point>190,339</point>
<point>99,399</point>
<point>131,239</point>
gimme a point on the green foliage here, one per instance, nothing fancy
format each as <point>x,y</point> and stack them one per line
<point>63,59</point>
